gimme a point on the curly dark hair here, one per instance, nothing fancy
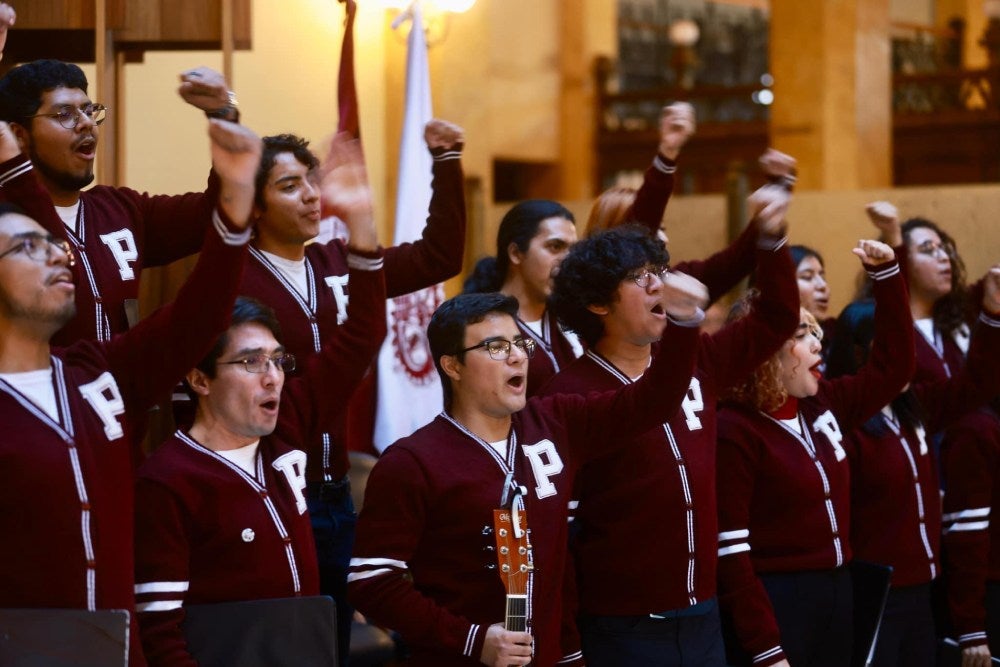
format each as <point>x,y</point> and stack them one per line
<point>951,311</point>
<point>21,88</point>
<point>592,271</point>
<point>273,146</point>
<point>518,226</point>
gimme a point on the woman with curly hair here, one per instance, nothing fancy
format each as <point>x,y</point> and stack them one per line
<point>784,485</point>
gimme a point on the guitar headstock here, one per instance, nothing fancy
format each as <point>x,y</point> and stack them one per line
<point>513,550</point>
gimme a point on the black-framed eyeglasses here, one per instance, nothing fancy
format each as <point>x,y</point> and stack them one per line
<point>258,363</point>
<point>69,117</point>
<point>644,277</point>
<point>38,247</point>
<point>499,348</point>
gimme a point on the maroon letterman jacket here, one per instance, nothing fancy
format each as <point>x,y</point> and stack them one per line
<point>307,321</point>
<point>119,232</point>
<point>206,531</point>
<point>66,496</point>
<point>762,464</point>
<point>667,477</point>
<point>431,495</point>
<point>895,497</point>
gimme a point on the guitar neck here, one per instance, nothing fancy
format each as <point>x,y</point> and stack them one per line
<point>516,618</point>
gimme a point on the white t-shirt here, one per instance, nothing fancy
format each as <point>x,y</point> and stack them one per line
<point>37,386</point>
<point>68,215</point>
<point>245,457</point>
<point>294,270</point>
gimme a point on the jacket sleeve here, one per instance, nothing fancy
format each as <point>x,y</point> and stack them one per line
<point>741,593</point>
<point>162,578</point>
<point>738,348</point>
<point>173,226</point>
<point>315,402</point>
<point>970,471</point>
<point>438,255</point>
<point>856,398</point>
<point>389,529</point>
<point>20,186</point>
<point>654,194</point>
<point>725,269</point>
<point>152,357</point>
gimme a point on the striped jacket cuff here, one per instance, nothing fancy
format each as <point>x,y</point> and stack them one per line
<point>19,167</point>
<point>664,164</point>
<point>229,236</point>
<point>989,319</point>
<point>444,154</point>
<point>574,659</point>
<point>771,243</point>
<point>365,568</point>
<point>734,542</point>
<point>977,518</point>
<point>769,657</point>
<point>693,323</point>
<point>972,639</point>
<point>156,596</point>
<point>474,641</point>
<point>364,261</point>
<point>883,271</point>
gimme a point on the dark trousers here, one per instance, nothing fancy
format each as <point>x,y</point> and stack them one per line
<point>814,611</point>
<point>907,635</point>
<point>993,616</point>
<point>689,638</point>
<point>331,510</point>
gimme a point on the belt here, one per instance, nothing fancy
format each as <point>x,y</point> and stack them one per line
<point>329,492</point>
<point>699,609</point>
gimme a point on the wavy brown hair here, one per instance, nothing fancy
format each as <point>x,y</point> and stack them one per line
<point>763,389</point>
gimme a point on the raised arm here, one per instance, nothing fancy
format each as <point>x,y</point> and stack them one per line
<point>732,353</point>
<point>154,355</point>
<point>855,398</point>
<point>438,254</point>
<point>677,125</point>
<point>7,19</point>
<point>318,397</point>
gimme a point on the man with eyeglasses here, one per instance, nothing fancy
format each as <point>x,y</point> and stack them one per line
<point>69,414</point>
<point>221,506</point>
<point>425,562</point>
<point>48,144</point>
<point>609,292</point>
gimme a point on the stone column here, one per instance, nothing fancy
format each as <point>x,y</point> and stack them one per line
<point>833,90</point>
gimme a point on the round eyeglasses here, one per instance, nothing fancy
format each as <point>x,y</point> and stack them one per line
<point>69,117</point>
<point>38,247</point>
<point>644,278</point>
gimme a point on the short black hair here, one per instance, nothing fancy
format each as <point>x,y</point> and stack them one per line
<point>518,226</point>
<point>246,310</point>
<point>273,146</point>
<point>592,271</point>
<point>21,88</point>
<point>446,331</point>
<point>8,208</point>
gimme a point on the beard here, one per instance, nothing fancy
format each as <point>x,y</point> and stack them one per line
<point>54,317</point>
<point>62,180</point>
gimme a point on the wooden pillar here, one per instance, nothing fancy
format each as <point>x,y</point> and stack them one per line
<point>576,103</point>
<point>107,89</point>
<point>833,91</point>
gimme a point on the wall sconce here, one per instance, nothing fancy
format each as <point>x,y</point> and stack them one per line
<point>683,35</point>
<point>436,15</point>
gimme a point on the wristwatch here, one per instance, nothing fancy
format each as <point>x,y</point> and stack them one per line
<point>230,112</point>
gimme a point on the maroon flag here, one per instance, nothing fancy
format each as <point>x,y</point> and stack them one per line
<point>347,94</point>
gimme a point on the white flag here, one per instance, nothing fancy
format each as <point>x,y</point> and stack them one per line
<point>409,391</point>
